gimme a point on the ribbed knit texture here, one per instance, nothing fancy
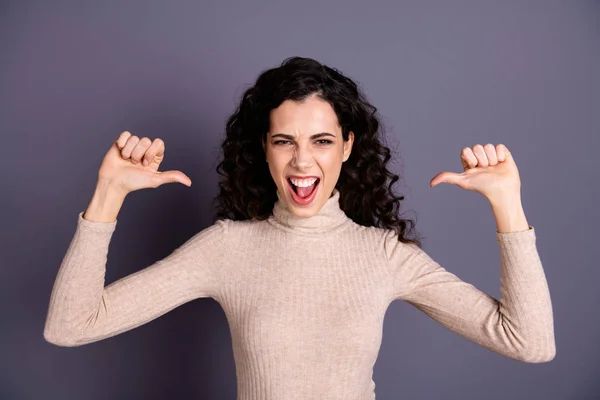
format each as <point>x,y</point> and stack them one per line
<point>305,298</point>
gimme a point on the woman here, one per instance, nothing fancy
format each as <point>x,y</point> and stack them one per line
<point>308,251</point>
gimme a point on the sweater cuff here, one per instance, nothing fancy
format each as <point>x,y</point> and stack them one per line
<point>516,235</point>
<point>96,226</point>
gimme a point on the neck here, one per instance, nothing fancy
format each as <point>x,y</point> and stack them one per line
<point>329,218</point>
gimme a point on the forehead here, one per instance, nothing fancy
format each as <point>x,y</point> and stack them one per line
<point>313,115</point>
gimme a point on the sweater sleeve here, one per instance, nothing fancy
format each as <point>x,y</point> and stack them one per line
<point>519,325</point>
<point>82,310</point>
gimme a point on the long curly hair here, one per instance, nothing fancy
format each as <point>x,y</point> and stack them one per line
<point>247,190</point>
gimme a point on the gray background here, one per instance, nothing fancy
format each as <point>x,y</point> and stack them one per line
<point>444,75</point>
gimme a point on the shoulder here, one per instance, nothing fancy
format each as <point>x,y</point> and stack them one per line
<point>387,244</point>
<point>221,235</point>
<point>231,229</point>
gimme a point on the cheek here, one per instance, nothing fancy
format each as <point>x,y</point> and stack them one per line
<point>277,163</point>
<point>331,161</point>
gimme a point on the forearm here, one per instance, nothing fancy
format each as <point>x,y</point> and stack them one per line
<point>525,294</point>
<point>78,288</point>
<point>525,303</point>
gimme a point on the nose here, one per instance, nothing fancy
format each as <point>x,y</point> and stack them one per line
<point>302,158</point>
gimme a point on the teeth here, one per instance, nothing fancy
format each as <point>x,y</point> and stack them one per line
<point>303,182</point>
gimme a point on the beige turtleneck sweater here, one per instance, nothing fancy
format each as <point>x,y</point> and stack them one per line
<point>305,298</point>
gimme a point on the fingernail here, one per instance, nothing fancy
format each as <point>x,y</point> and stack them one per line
<point>145,162</point>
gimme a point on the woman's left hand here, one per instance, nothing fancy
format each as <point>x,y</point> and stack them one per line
<point>489,170</point>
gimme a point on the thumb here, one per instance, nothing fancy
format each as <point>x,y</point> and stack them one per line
<point>446,177</point>
<point>172,177</point>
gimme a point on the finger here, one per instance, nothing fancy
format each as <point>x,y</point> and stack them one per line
<point>160,178</point>
<point>479,152</point>
<point>122,139</point>
<point>468,159</point>
<point>140,149</point>
<point>157,149</point>
<point>502,152</point>
<point>129,146</point>
<point>490,152</point>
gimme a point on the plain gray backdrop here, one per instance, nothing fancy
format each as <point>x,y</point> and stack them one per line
<point>443,74</point>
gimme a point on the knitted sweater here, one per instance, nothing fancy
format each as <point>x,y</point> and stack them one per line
<point>304,298</point>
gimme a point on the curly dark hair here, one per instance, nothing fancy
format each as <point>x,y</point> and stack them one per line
<point>247,190</point>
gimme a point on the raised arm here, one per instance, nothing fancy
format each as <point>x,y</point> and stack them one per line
<point>82,310</point>
<point>519,325</point>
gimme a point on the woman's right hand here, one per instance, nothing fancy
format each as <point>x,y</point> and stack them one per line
<point>132,164</point>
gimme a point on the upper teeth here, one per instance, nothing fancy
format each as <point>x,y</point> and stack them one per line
<point>303,182</point>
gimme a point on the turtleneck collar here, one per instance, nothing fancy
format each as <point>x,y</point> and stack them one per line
<point>329,218</point>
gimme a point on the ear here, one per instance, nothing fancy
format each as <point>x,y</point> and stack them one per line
<point>348,146</point>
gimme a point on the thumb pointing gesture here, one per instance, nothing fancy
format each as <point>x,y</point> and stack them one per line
<point>132,164</point>
<point>489,170</point>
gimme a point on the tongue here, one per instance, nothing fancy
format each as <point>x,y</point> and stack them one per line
<point>304,192</point>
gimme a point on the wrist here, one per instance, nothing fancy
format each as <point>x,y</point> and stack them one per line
<point>105,203</point>
<point>108,190</point>
<point>509,216</point>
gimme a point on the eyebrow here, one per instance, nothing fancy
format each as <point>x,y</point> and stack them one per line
<point>290,137</point>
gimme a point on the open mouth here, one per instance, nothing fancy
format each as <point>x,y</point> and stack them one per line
<point>303,191</point>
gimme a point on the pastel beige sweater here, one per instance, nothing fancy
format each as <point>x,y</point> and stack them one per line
<point>305,298</point>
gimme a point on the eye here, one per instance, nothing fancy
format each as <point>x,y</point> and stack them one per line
<point>278,142</point>
<point>324,141</point>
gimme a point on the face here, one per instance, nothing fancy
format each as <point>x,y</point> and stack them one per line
<point>305,151</point>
